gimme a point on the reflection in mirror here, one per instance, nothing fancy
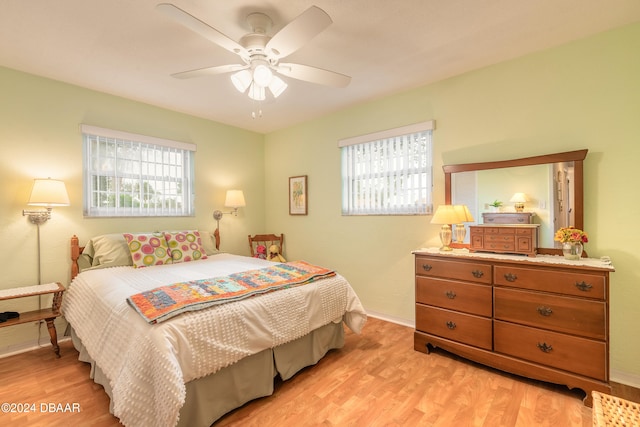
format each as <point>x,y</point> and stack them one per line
<point>547,190</point>
<point>552,186</point>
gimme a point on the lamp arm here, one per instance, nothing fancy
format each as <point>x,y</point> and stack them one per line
<point>217,214</point>
<point>38,216</point>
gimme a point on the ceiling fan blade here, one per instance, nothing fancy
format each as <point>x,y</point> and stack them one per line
<point>298,32</point>
<point>209,71</point>
<point>313,74</point>
<point>199,27</point>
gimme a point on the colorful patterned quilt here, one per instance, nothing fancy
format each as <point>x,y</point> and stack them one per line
<point>168,301</point>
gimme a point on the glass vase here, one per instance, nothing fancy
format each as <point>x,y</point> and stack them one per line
<point>572,250</point>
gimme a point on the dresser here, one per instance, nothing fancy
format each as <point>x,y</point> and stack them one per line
<point>543,318</point>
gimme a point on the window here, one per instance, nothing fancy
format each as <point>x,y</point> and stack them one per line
<point>389,172</point>
<point>136,175</point>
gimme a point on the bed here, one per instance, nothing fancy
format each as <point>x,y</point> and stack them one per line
<point>191,368</point>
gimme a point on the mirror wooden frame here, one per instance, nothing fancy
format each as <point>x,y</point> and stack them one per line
<point>570,156</point>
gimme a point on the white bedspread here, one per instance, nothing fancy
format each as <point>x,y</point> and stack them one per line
<point>148,365</point>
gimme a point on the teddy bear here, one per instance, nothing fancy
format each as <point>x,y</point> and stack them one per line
<point>261,252</point>
<point>274,254</point>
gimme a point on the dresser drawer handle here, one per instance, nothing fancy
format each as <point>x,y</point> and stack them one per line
<point>545,311</point>
<point>520,220</point>
<point>510,277</point>
<point>583,286</point>
<point>451,325</point>
<point>544,347</point>
<point>489,219</point>
<point>477,273</point>
<point>426,267</point>
<point>450,294</point>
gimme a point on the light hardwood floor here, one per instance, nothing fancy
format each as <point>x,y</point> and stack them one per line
<point>377,379</point>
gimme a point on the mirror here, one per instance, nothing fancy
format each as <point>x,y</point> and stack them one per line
<point>552,184</point>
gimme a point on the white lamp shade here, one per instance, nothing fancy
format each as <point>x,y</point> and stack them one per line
<point>277,86</point>
<point>262,75</point>
<point>256,92</point>
<point>241,80</point>
<point>446,214</point>
<point>48,192</point>
<point>464,213</point>
<point>234,199</point>
<point>519,198</point>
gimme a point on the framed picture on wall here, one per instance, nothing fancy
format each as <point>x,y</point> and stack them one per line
<point>298,196</point>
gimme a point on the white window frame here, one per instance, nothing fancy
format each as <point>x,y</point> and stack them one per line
<point>388,172</point>
<point>131,175</point>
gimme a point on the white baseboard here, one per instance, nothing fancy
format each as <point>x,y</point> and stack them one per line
<point>392,319</point>
<point>625,378</point>
<point>29,346</point>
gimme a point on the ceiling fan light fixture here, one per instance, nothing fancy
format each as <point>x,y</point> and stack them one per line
<point>241,80</point>
<point>277,86</point>
<point>256,92</point>
<point>262,75</point>
<point>261,52</point>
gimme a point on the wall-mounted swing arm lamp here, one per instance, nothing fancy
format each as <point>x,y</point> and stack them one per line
<point>233,200</point>
<point>48,193</point>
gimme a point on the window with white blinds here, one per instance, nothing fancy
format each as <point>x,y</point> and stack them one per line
<point>136,175</point>
<point>389,172</point>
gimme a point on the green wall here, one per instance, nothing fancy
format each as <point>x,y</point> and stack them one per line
<point>585,94</point>
<point>40,137</point>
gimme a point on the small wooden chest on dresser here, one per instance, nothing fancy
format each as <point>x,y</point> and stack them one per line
<point>513,239</point>
<point>543,318</point>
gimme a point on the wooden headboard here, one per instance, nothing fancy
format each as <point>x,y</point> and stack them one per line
<point>76,251</point>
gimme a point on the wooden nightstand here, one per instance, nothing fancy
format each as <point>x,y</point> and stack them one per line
<point>46,314</point>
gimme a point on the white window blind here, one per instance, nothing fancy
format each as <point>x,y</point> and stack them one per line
<point>388,173</point>
<point>136,175</point>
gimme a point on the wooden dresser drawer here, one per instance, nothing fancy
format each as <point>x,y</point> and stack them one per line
<point>562,282</point>
<point>508,218</point>
<point>500,238</point>
<point>460,296</point>
<point>470,271</point>
<point>498,231</point>
<point>499,242</point>
<point>464,328</point>
<point>561,314</point>
<point>580,355</point>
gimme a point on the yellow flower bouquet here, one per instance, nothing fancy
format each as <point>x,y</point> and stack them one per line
<point>571,235</point>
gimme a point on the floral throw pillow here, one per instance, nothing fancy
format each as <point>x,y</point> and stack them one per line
<point>185,246</point>
<point>148,249</point>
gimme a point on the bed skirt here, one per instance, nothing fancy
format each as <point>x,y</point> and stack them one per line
<point>209,398</point>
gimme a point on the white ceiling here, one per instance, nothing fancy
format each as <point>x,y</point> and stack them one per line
<point>128,48</point>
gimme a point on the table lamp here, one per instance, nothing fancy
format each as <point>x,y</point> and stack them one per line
<point>465,216</point>
<point>519,200</point>
<point>446,215</point>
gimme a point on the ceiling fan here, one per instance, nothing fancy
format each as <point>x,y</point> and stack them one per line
<point>261,53</point>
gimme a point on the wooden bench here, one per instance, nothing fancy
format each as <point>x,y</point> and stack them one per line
<point>46,314</point>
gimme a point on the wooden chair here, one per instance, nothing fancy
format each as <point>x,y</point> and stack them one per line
<point>266,240</point>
